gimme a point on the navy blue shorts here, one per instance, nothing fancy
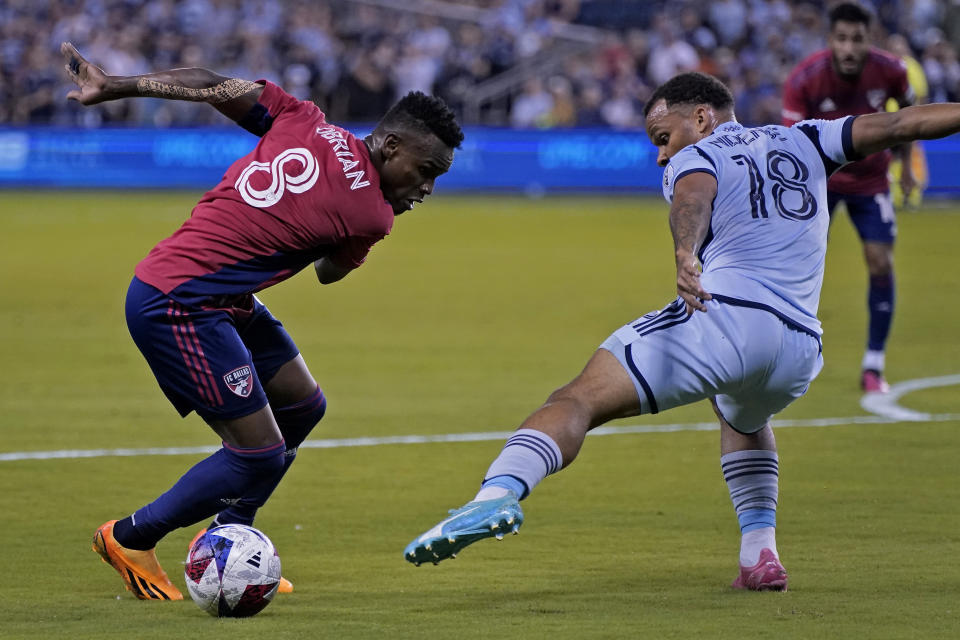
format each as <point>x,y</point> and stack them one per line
<point>873,216</point>
<point>211,360</point>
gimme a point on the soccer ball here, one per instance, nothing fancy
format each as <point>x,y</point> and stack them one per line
<point>232,571</point>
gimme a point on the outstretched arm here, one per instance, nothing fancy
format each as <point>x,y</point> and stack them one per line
<point>690,212</point>
<point>877,131</point>
<point>231,96</point>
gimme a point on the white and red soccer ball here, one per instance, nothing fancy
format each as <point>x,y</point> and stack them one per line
<point>232,571</point>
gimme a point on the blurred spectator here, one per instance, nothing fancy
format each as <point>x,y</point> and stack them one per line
<point>695,32</point>
<point>465,66</point>
<point>620,110</point>
<point>669,55</point>
<point>900,47</point>
<point>431,37</point>
<point>354,59</point>
<point>589,107</point>
<point>367,91</point>
<point>729,20</point>
<point>563,113</point>
<point>532,106</point>
<point>942,70</point>
<point>758,99</point>
<point>951,22</point>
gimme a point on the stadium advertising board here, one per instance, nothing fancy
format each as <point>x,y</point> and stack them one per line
<point>504,160</point>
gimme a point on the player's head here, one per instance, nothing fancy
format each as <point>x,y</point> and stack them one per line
<point>684,110</point>
<point>849,40</point>
<point>412,146</point>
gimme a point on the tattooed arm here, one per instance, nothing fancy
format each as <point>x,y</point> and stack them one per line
<point>690,211</point>
<point>231,96</point>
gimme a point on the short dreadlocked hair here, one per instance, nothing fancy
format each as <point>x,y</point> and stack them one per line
<point>691,88</point>
<point>417,110</point>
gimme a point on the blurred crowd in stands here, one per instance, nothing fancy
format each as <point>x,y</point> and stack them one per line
<point>583,62</point>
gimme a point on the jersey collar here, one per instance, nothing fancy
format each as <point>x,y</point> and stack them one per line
<point>728,127</point>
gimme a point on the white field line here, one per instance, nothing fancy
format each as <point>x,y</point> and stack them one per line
<point>883,405</point>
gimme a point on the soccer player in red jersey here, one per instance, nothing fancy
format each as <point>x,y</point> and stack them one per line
<point>308,193</point>
<point>852,78</point>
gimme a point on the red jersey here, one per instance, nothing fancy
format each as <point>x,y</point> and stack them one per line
<point>308,190</point>
<point>815,90</point>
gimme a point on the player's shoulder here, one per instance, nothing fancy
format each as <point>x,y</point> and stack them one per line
<point>279,102</point>
<point>810,128</point>
<point>885,58</point>
<point>815,59</point>
<point>814,65</point>
<point>693,154</point>
<point>885,62</point>
<point>691,159</point>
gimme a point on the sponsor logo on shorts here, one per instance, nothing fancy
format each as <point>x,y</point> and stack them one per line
<point>238,381</point>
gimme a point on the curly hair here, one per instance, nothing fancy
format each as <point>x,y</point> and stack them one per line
<point>691,88</point>
<point>417,110</point>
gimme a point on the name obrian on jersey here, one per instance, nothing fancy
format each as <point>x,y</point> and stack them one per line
<point>309,189</point>
<point>768,229</point>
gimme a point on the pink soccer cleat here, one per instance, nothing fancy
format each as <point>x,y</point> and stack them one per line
<point>767,575</point>
<point>872,381</point>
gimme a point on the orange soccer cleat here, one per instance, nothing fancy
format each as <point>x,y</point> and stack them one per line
<point>285,586</point>
<point>139,569</point>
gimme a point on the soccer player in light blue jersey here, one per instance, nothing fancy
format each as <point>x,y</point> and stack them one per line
<point>748,214</point>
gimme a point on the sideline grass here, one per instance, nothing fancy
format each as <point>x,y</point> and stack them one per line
<point>464,320</point>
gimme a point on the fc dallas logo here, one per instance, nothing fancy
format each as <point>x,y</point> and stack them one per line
<point>238,381</point>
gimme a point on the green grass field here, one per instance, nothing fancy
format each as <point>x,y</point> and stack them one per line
<point>463,321</point>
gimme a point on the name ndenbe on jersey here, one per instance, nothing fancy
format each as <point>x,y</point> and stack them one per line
<point>746,137</point>
<point>344,155</point>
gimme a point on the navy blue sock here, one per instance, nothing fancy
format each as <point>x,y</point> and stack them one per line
<point>295,422</point>
<point>880,300</point>
<point>227,475</point>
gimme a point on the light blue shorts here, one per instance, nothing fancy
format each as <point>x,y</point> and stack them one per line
<point>750,360</point>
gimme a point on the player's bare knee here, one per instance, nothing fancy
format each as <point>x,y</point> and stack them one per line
<point>292,383</point>
<point>256,430</point>
<point>880,266</point>
<point>879,257</point>
<point>567,394</point>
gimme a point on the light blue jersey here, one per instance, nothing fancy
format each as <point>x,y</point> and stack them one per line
<point>768,230</point>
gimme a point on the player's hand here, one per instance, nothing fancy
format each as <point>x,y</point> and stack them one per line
<point>908,182</point>
<point>90,79</point>
<point>688,283</point>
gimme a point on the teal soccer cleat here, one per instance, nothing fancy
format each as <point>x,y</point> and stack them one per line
<point>471,522</point>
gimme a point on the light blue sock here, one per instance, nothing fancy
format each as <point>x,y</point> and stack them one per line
<point>506,482</point>
<point>751,519</point>
<point>752,477</point>
<point>527,458</point>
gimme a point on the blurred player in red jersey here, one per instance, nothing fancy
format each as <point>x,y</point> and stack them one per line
<point>309,193</point>
<point>851,77</point>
